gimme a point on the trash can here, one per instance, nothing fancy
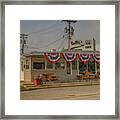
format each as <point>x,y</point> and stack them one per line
<point>43,82</point>
<point>36,82</point>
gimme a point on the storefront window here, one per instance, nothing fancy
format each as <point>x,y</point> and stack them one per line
<point>38,65</point>
<point>68,69</point>
<point>91,66</point>
<point>82,67</point>
<point>74,65</point>
<point>49,65</point>
<point>60,65</point>
<point>98,67</point>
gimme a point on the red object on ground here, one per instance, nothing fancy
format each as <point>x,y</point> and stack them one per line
<point>37,82</point>
<point>40,81</point>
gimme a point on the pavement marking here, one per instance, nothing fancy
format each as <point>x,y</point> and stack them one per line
<point>75,96</point>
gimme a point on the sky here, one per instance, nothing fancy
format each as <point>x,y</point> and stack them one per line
<point>44,35</point>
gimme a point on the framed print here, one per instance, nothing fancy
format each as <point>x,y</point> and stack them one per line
<point>60,60</point>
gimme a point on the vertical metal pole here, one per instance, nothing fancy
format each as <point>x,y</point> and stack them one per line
<point>53,66</point>
<point>23,38</point>
<point>78,66</point>
<point>69,36</point>
<point>71,68</point>
<point>45,64</point>
<point>65,65</point>
<point>31,68</point>
<point>87,66</point>
<point>96,68</point>
<point>24,68</point>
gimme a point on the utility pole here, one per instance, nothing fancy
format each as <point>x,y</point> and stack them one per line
<point>23,38</point>
<point>69,30</point>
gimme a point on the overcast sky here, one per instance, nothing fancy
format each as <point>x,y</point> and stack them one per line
<point>48,34</point>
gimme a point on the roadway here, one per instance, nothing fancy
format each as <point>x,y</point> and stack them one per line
<point>91,92</point>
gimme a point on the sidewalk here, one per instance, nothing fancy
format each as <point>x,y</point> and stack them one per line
<point>57,85</point>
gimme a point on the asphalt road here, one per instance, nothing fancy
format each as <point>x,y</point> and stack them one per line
<point>91,92</point>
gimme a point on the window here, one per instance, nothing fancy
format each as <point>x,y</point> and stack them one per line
<point>91,66</point>
<point>82,67</point>
<point>22,66</point>
<point>68,69</point>
<point>74,65</point>
<point>27,64</point>
<point>60,65</point>
<point>49,65</point>
<point>98,67</point>
<point>38,65</point>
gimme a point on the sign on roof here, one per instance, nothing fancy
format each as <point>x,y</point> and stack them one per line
<point>83,45</point>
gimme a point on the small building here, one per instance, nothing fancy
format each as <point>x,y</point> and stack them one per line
<point>65,65</point>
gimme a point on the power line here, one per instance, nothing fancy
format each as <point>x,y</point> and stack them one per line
<point>62,42</point>
<point>78,30</point>
<point>54,41</point>
<point>51,43</point>
<point>45,30</point>
<point>33,47</point>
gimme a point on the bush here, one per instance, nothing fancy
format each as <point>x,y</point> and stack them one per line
<point>22,86</point>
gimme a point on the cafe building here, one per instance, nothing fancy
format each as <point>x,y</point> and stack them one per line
<point>66,66</point>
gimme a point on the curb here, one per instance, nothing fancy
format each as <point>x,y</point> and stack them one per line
<point>58,86</point>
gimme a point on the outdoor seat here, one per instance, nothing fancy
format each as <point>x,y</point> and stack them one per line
<point>92,76</point>
<point>79,77</point>
<point>85,77</point>
<point>52,77</point>
<point>49,76</point>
